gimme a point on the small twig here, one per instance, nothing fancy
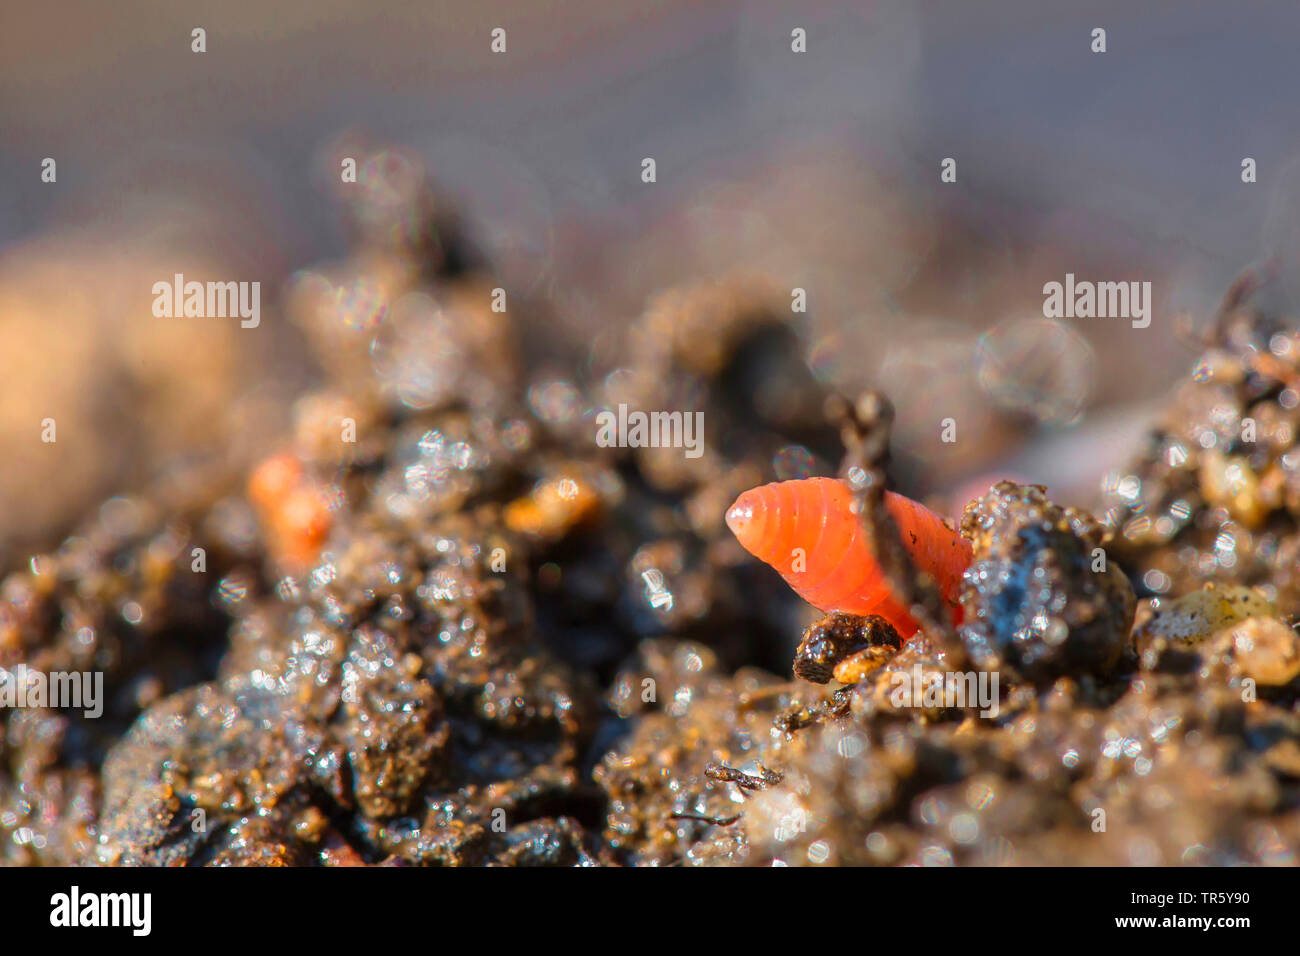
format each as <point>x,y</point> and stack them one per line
<point>715,821</point>
<point>723,774</point>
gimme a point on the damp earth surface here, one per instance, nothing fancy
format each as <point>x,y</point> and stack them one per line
<point>438,624</point>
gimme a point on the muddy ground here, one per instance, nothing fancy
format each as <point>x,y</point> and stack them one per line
<point>436,623</point>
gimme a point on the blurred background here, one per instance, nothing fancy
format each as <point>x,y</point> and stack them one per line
<point>818,170</point>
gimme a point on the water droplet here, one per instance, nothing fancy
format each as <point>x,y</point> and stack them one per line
<point>1039,367</point>
<point>791,462</point>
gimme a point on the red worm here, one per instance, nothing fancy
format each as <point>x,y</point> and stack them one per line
<point>808,532</point>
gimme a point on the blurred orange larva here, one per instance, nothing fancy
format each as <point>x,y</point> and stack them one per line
<point>293,507</point>
<point>807,531</point>
<point>273,480</point>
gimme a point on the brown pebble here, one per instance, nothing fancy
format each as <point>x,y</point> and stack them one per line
<point>1191,618</point>
<point>830,642</point>
<point>554,507</point>
<point>1266,650</point>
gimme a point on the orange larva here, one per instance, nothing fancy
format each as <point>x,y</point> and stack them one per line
<point>273,480</point>
<point>293,507</point>
<point>807,531</point>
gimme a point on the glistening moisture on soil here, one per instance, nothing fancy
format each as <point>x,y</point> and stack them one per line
<point>476,636</point>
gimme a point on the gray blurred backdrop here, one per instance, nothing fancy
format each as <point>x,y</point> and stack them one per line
<point>819,169</point>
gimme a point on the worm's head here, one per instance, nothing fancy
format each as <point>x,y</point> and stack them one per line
<point>745,519</point>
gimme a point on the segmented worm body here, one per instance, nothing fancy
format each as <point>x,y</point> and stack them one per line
<point>807,531</point>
